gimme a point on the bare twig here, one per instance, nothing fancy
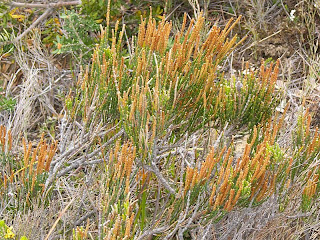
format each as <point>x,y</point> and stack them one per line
<point>181,219</point>
<point>56,171</point>
<point>152,232</point>
<point>161,179</point>
<point>44,5</point>
<point>34,24</point>
<point>194,215</point>
<point>85,217</point>
<point>58,219</point>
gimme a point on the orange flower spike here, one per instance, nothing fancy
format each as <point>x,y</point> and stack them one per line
<point>27,154</point>
<point>306,190</point>
<point>312,190</point>
<point>314,140</point>
<point>262,192</point>
<point>288,183</point>
<point>123,160</point>
<point>183,23</point>
<point>212,160</point>
<point>52,151</point>
<point>221,154</point>
<point>221,172</point>
<point>225,179</point>
<point>188,180</point>
<point>213,193</point>
<point>289,166</point>
<point>41,157</point>
<point>254,136</point>
<point>238,169</point>
<point>274,133</point>
<point>11,176</point>
<point>273,185</point>
<point>257,156</point>
<point>268,72</point>
<point>236,198</point>
<point>33,159</point>
<point>203,170</point>
<point>240,178</point>
<point>33,181</point>
<point>246,151</point>
<point>226,158</point>
<point>133,156</point>
<point>243,163</point>
<point>194,178</point>
<point>225,192</point>
<point>263,169</point>
<point>2,136</point>
<point>308,125</point>
<point>245,173</point>
<point>10,139</point>
<point>228,205</point>
<point>189,30</point>
<point>217,201</point>
<point>5,181</point>
<point>128,226</point>
<point>141,32</point>
<point>316,178</point>
<point>2,133</point>
<point>306,114</point>
<point>309,174</point>
<point>116,228</point>
<point>273,77</point>
<point>229,162</point>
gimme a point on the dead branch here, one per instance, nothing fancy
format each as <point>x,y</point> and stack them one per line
<point>34,24</point>
<point>44,5</point>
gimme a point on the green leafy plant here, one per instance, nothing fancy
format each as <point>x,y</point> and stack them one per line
<point>6,103</point>
<point>78,37</point>
<point>6,48</point>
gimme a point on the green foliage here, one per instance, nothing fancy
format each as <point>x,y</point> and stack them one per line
<point>97,9</point>
<point>4,14</point>
<point>52,31</point>
<point>128,12</point>
<point>79,38</point>
<point>6,103</point>
<point>5,48</point>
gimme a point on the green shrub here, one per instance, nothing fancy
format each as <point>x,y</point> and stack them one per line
<point>78,37</point>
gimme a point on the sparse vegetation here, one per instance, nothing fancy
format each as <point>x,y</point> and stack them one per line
<point>119,122</point>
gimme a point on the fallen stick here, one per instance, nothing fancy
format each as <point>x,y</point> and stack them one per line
<point>44,5</point>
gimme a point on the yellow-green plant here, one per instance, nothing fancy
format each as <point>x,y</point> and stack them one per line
<point>7,232</point>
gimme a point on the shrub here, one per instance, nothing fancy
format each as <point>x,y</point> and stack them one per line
<point>142,116</point>
<point>168,86</point>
